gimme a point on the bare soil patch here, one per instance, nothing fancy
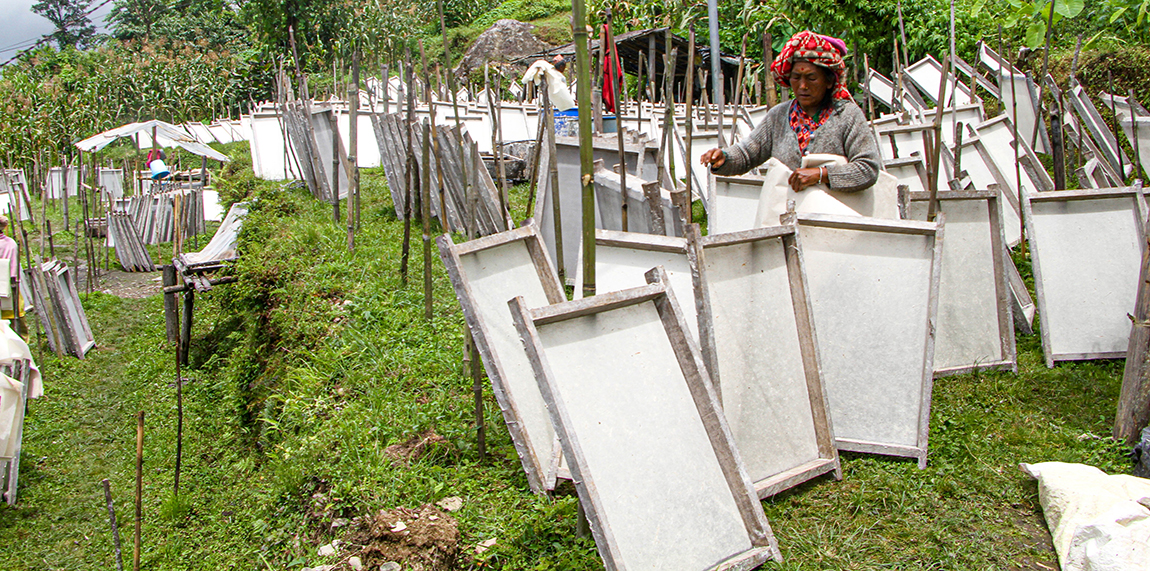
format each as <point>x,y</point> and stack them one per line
<point>424,539</point>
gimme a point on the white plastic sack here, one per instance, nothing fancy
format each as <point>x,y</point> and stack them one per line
<point>556,84</point>
<point>1098,522</point>
<point>10,403</point>
<point>878,201</point>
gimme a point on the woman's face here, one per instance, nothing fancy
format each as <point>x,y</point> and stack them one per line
<point>810,83</point>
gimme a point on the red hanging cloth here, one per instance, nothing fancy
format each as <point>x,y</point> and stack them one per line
<point>612,71</point>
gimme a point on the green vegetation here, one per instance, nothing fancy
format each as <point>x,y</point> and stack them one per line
<point>317,360</point>
<point>312,364</point>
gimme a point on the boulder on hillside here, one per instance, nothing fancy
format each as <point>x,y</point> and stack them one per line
<point>505,41</point>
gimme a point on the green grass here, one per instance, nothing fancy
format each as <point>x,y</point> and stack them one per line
<point>318,359</point>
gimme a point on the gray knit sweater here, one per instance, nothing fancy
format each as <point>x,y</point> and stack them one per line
<point>846,132</point>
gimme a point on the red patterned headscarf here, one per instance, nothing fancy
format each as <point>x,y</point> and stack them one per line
<point>823,51</point>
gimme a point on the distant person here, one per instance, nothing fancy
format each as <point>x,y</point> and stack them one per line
<point>821,119</point>
<point>557,90</point>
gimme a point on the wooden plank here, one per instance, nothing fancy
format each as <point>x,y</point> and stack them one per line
<point>975,329</point>
<point>1084,297</point>
<point>485,273</point>
<point>630,419</point>
<point>875,321</point>
<point>763,344</point>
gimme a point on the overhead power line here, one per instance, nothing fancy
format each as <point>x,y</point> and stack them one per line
<point>47,37</point>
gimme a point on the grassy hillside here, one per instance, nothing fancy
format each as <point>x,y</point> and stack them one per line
<point>317,360</point>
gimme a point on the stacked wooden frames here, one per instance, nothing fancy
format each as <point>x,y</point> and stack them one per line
<point>651,455</point>
<point>1086,247</point>
<point>759,341</point>
<point>874,293</point>
<point>975,322</point>
<point>486,272</point>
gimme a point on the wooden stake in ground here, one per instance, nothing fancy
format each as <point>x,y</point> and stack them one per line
<point>425,219</point>
<point>933,169</point>
<point>181,356</point>
<point>469,225</point>
<point>425,195</point>
<point>353,152</point>
<point>139,487</point>
<point>1134,399</point>
<point>115,528</point>
<point>409,172</point>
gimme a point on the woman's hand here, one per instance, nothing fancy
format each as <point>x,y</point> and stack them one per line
<point>803,178</point>
<point>713,158</point>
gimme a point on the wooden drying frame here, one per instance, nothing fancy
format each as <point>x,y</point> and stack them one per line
<point>919,451</point>
<point>828,458</point>
<point>1134,192</point>
<point>763,544</point>
<point>1008,360</point>
<point>713,181</point>
<point>19,371</point>
<point>918,162</point>
<point>540,477</point>
<point>1029,161</point>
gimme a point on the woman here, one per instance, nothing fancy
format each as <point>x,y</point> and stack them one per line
<point>821,118</point>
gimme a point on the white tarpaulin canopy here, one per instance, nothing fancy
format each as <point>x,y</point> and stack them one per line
<point>167,135</point>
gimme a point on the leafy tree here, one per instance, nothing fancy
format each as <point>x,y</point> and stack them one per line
<point>73,27</point>
<point>132,19</point>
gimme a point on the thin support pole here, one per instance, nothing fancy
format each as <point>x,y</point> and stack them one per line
<point>139,488</point>
<point>687,217</point>
<point>583,70</point>
<point>115,528</point>
<point>716,64</point>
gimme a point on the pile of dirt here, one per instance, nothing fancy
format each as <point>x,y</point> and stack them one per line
<point>416,446</point>
<point>426,539</point>
<point>505,41</point>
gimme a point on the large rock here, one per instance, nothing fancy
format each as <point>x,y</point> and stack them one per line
<point>506,40</point>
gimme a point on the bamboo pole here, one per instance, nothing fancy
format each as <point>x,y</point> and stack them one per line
<point>690,103</point>
<point>181,357</point>
<point>425,196</point>
<point>553,182</point>
<point>469,224</point>
<point>619,129</point>
<point>583,70</point>
<point>1114,114</point>
<point>1045,67</point>
<point>409,177</point>
<point>936,145</point>
<point>768,58</point>
<point>738,89</point>
<point>139,488</point>
<point>1134,130</point>
<point>353,153</point>
<point>335,166</point>
<point>425,215</point>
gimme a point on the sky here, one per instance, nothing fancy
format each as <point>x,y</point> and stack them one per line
<point>22,26</point>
